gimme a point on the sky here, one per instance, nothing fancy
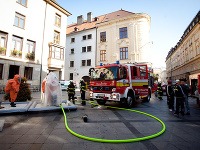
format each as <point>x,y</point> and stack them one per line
<point>169,19</point>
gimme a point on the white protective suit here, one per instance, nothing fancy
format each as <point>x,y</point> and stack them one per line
<point>53,92</point>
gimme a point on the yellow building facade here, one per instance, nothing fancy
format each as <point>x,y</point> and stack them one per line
<point>183,60</point>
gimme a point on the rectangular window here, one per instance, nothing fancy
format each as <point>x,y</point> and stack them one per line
<point>89,36</point>
<point>1,71</point>
<point>103,55</point>
<point>71,63</point>
<point>84,37</point>
<point>83,63</point>
<point>89,62</point>
<point>72,40</point>
<point>19,20</point>
<point>143,72</point>
<point>123,53</point>
<point>71,76</point>
<point>72,51</point>
<point>22,2</point>
<point>56,37</point>
<point>17,43</point>
<point>3,42</point>
<point>57,20</point>
<point>56,53</point>
<point>102,36</point>
<point>30,46</point>
<point>83,49</point>
<point>123,33</point>
<point>28,73</point>
<point>89,48</point>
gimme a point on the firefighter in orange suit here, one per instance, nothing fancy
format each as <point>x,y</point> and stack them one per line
<point>12,87</point>
<point>43,89</point>
<point>43,85</point>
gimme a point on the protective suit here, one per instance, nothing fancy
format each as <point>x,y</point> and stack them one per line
<point>52,91</point>
<point>12,87</point>
<point>43,90</point>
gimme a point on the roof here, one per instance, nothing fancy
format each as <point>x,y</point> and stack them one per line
<point>57,6</point>
<point>100,19</point>
<point>84,26</point>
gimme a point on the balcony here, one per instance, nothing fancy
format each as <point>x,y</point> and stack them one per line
<point>56,56</point>
<point>55,63</point>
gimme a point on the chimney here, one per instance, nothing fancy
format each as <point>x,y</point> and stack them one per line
<point>89,17</point>
<point>80,19</point>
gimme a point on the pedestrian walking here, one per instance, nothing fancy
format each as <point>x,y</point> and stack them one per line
<point>160,91</point>
<point>179,94</point>
<point>186,90</point>
<point>83,90</point>
<point>71,92</point>
<point>170,95</point>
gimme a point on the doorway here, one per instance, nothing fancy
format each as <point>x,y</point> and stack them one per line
<point>13,70</point>
<point>193,86</point>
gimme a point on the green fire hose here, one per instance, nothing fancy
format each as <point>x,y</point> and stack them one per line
<point>120,140</point>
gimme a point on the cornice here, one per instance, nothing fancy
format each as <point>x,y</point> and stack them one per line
<point>57,6</point>
<point>133,17</point>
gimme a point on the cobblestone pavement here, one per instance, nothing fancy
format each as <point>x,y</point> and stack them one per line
<point>35,131</point>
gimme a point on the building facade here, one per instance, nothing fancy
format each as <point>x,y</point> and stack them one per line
<point>123,36</point>
<point>183,60</point>
<point>32,41</point>
<point>80,48</point>
<point>120,35</point>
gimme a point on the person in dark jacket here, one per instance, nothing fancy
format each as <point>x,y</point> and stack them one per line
<point>160,91</point>
<point>71,91</point>
<point>83,90</point>
<point>170,95</point>
<point>186,90</point>
<point>179,98</point>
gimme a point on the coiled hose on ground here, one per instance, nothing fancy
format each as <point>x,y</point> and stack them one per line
<point>117,140</point>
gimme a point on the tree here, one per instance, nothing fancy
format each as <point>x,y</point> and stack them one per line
<point>24,93</point>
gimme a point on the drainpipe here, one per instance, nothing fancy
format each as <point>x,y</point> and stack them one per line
<point>43,44</point>
<point>96,50</point>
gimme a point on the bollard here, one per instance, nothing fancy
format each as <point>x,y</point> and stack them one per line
<point>85,118</point>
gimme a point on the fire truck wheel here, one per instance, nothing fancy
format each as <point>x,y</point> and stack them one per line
<point>129,101</point>
<point>148,98</point>
<point>101,102</point>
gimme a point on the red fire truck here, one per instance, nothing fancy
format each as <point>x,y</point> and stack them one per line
<point>122,83</point>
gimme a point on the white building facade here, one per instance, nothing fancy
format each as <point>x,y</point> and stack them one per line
<point>80,54</point>
<point>32,41</point>
<point>80,48</point>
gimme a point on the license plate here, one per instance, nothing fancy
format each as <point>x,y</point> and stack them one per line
<point>101,95</point>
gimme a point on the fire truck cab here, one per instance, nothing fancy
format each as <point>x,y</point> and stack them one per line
<point>122,83</point>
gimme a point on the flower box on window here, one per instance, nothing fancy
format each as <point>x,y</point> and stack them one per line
<point>30,55</point>
<point>2,50</point>
<point>16,52</point>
